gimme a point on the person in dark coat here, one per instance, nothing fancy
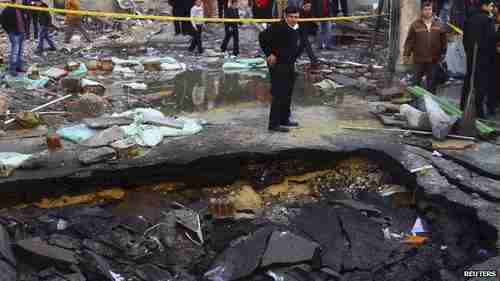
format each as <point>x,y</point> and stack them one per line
<point>182,8</point>
<point>497,55</point>
<point>479,30</point>
<point>232,29</point>
<point>282,45</point>
<point>12,21</point>
<point>45,22</point>
<point>340,5</point>
<point>221,7</point>
<point>322,9</point>
<point>307,29</point>
<point>177,12</point>
<point>31,18</point>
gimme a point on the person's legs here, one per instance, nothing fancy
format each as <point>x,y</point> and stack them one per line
<point>84,33</point>
<point>35,26</point>
<point>287,100</point>
<point>236,41</point>
<point>199,36</point>
<point>227,37</point>
<point>19,55</point>
<point>277,93</point>
<point>345,7</point>
<point>429,77</point>
<point>49,40</point>
<point>419,74</point>
<point>14,45</point>
<point>41,39</point>
<point>70,30</point>
<point>323,34</point>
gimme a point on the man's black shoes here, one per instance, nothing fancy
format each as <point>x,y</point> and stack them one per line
<point>290,124</point>
<point>279,129</point>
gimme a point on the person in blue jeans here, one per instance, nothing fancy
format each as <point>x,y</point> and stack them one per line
<point>45,22</point>
<point>12,21</point>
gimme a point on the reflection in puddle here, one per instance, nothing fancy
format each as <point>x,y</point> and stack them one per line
<point>202,91</point>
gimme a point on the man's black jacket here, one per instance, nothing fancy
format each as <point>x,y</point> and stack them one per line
<point>283,41</point>
<point>231,13</point>
<point>8,20</point>
<point>44,18</point>
<point>480,29</point>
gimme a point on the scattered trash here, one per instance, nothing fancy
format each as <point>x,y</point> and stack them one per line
<point>191,220</point>
<point>327,84</point>
<point>116,277</point>
<point>93,156</point>
<point>24,82</point>
<point>275,276</point>
<point>136,86</point>
<point>415,240</point>
<point>245,64</point>
<point>416,119</point>
<point>441,122</point>
<point>55,73</point>
<point>10,161</point>
<point>418,227</point>
<point>437,154</point>
<point>28,120</point>
<point>78,133</point>
<point>421,169</point>
<point>105,137</point>
<point>215,274</point>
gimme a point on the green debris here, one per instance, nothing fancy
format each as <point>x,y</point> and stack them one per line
<point>450,108</point>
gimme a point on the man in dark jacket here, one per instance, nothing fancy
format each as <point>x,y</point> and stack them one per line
<point>427,43</point>
<point>307,29</point>
<point>12,21</point>
<point>31,18</point>
<point>282,44</point>
<point>479,30</point>
<point>45,22</point>
<point>231,29</point>
<point>340,5</point>
<point>323,9</point>
<point>221,7</point>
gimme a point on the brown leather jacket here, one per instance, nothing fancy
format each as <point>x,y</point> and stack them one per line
<point>426,46</point>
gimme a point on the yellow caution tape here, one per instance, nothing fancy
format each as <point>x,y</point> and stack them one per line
<point>456,28</point>
<point>170,18</point>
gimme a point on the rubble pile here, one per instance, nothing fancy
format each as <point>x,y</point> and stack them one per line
<point>373,234</point>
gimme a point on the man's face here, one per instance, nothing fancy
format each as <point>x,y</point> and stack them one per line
<point>292,19</point>
<point>427,12</point>
<point>198,2</point>
<point>488,7</point>
<point>307,7</point>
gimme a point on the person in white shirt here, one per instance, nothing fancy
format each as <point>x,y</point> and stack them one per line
<point>196,13</point>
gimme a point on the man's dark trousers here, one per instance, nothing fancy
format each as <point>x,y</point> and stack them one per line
<point>221,6</point>
<point>427,70</point>
<point>231,32</point>
<point>282,82</point>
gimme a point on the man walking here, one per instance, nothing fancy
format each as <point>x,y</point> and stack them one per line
<point>321,9</point>
<point>282,44</point>
<point>232,29</point>
<point>45,21</point>
<point>196,13</point>
<point>12,21</point>
<point>427,43</point>
<point>479,30</point>
<point>74,22</point>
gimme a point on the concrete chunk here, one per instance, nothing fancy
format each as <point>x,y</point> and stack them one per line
<point>93,156</point>
<point>287,248</point>
<point>39,251</point>
<point>106,137</point>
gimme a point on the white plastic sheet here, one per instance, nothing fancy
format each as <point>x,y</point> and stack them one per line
<point>13,159</point>
<point>455,58</point>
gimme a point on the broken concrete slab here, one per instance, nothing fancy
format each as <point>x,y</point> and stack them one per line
<point>88,105</point>
<point>93,156</point>
<point>40,252</point>
<point>285,247</point>
<point>367,246</point>
<point>358,206</point>
<point>5,247</point>
<point>343,80</point>
<point>37,161</point>
<point>242,259</point>
<point>106,137</point>
<point>151,272</point>
<point>388,94</point>
<point>320,222</point>
<point>107,122</point>
<point>390,120</point>
<point>64,241</point>
<point>483,156</point>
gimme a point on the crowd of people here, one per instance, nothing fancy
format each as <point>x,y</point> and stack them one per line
<point>426,44</point>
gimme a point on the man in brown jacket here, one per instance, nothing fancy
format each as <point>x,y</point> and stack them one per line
<point>427,43</point>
